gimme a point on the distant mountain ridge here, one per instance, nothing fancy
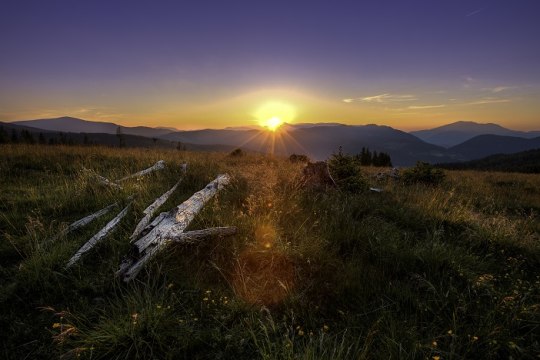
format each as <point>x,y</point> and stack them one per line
<point>456,133</point>
<point>524,161</point>
<point>75,125</point>
<point>317,140</point>
<point>485,145</point>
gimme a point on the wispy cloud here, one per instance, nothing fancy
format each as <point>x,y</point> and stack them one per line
<point>488,101</point>
<point>475,12</point>
<point>498,89</point>
<point>419,107</point>
<point>383,98</point>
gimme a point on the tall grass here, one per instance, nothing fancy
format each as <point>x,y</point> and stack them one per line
<point>416,271</point>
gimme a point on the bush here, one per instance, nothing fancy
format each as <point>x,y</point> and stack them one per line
<point>423,173</point>
<point>295,158</point>
<point>237,152</point>
<point>345,170</point>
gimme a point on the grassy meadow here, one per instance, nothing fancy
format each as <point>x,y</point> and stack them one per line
<point>414,272</point>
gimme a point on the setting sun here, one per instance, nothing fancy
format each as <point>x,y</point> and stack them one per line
<point>273,123</point>
<point>274,114</point>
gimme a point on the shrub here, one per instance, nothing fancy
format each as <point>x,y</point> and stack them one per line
<point>423,173</point>
<point>294,158</point>
<point>237,152</point>
<point>345,170</point>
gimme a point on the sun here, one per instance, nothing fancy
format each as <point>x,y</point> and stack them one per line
<point>274,114</point>
<point>273,123</point>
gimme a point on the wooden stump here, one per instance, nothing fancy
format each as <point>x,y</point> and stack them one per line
<point>317,175</point>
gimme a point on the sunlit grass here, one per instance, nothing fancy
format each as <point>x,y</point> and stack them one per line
<point>416,271</point>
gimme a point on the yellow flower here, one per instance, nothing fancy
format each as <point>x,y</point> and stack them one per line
<point>436,357</point>
<point>56,325</point>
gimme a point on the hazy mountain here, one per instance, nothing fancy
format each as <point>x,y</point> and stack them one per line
<point>56,137</point>
<point>75,125</point>
<point>458,132</point>
<point>319,142</point>
<point>525,161</point>
<point>485,145</point>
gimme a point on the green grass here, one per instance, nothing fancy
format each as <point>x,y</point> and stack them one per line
<point>414,272</point>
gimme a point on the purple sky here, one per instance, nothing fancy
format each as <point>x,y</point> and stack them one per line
<point>406,63</point>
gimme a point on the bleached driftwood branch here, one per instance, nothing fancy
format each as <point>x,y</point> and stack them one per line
<point>150,210</point>
<point>169,225</point>
<point>102,180</point>
<point>157,166</point>
<point>99,236</point>
<point>191,237</point>
<point>84,221</point>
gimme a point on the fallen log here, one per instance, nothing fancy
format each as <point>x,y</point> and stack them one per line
<point>84,221</point>
<point>194,236</point>
<point>150,210</point>
<point>111,225</point>
<point>169,225</point>
<point>102,180</point>
<point>157,166</point>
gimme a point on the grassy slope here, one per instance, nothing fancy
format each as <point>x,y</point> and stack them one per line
<point>413,272</point>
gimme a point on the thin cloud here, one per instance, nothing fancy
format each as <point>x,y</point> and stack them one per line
<point>419,107</point>
<point>475,12</point>
<point>498,89</point>
<point>488,101</point>
<point>383,98</point>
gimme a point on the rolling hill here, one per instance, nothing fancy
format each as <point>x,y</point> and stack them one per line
<point>58,137</point>
<point>485,145</point>
<point>75,125</point>
<point>461,131</point>
<point>524,162</point>
<point>319,142</point>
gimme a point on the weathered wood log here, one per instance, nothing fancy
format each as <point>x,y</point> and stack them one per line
<point>111,225</point>
<point>169,225</point>
<point>102,180</point>
<point>194,236</point>
<point>84,221</point>
<point>157,166</point>
<point>150,210</point>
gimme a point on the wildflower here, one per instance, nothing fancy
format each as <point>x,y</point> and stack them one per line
<point>449,332</point>
<point>205,299</point>
<point>434,343</point>
<point>301,332</point>
<point>436,357</point>
<point>325,328</point>
<point>475,338</point>
<point>56,325</point>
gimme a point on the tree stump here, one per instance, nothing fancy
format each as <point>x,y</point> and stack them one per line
<point>317,175</point>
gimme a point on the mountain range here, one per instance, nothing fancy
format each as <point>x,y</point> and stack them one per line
<point>456,133</point>
<point>318,141</point>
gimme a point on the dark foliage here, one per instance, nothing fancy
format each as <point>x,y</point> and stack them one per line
<point>345,170</point>
<point>298,158</point>
<point>424,173</point>
<point>524,162</point>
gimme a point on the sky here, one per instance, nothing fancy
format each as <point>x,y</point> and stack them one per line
<point>409,64</point>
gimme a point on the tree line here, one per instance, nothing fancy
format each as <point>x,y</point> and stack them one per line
<point>368,158</point>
